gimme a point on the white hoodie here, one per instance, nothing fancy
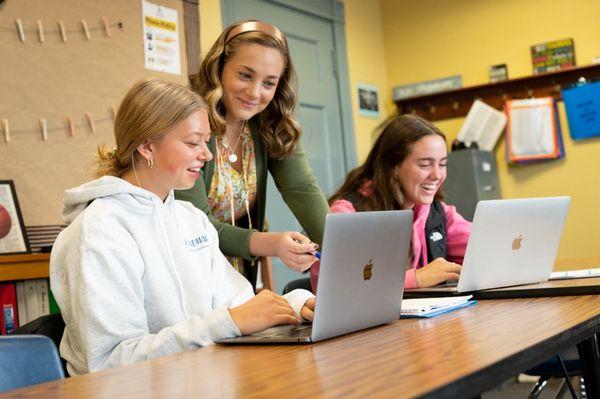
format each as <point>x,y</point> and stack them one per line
<point>136,278</point>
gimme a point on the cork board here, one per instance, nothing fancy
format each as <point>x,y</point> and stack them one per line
<point>54,79</point>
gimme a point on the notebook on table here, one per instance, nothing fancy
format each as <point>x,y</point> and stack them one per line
<point>581,273</point>
<point>361,278</point>
<point>431,307</point>
<point>512,242</point>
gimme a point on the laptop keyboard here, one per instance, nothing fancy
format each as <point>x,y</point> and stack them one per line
<point>286,331</point>
<point>448,283</point>
<point>303,330</point>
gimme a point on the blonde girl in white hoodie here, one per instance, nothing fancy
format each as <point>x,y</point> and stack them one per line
<point>138,274</point>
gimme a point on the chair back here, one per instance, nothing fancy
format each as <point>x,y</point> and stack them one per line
<point>28,360</point>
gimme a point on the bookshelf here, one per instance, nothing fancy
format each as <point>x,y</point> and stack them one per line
<point>456,103</point>
<point>24,266</point>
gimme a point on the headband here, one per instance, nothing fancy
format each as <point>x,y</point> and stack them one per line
<point>256,26</point>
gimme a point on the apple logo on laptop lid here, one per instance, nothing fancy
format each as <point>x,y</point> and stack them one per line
<point>516,244</point>
<point>368,270</point>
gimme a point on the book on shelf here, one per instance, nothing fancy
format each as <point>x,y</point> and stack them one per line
<point>34,299</point>
<point>9,318</point>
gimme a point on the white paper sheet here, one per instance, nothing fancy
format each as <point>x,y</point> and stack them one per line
<point>532,127</point>
<point>161,38</point>
<point>483,125</point>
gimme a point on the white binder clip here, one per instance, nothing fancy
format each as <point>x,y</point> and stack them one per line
<point>40,28</point>
<point>44,128</point>
<point>6,130</point>
<point>20,29</point>
<point>90,121</point>
<point>63,32</point>
<point>86,31</point>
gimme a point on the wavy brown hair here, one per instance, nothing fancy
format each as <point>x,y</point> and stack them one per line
<point>391,148</point>
<point>279,130</point>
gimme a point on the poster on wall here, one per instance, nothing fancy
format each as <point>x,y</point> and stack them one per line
<point>368,100</point>
<point>161,38</point>
<point>553,56</point>
<point>12,230</point>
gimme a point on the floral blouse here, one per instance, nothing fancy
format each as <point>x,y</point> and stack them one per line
<point>232,191</point>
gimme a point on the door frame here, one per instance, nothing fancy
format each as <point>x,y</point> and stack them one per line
<point>333,11</point>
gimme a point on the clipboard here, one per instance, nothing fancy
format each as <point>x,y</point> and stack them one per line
<point>582,104</point>
<point>533,131</point>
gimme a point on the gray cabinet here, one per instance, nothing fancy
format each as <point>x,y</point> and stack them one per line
<point>472,177</point>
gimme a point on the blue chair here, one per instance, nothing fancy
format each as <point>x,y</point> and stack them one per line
<point>28,360</point>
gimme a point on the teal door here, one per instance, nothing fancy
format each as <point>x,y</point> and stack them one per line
<point>312,41</point>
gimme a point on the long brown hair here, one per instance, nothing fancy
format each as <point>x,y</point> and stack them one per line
<point>279,130</point>
<point>391,148</point>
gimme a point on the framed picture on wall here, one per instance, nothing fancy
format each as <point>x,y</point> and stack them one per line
<point>368,100</point>
<point>13,237</point>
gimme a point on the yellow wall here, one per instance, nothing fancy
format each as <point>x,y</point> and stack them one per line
<point>430,39</point>
<point>366,64</point>
<point>211,24</point>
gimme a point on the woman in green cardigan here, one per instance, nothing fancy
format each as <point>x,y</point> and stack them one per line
<point>248,81</point>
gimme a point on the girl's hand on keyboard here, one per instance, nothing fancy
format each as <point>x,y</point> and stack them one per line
<point>307,311</point>
<point>265,310</point>
<point>437,272</point>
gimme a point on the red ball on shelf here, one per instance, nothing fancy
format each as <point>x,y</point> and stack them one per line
<point>5,222</point>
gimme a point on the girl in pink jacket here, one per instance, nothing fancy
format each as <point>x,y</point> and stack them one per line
<point>405,170</point>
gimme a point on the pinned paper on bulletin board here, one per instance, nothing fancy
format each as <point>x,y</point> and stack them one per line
<point>582,104</point>
<point>533,132</point>
<point>161,38</point>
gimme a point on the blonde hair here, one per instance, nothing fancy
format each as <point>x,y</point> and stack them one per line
<point>279,130</point>
<point>149,110</point>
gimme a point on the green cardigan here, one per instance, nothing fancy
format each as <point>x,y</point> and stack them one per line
<point>296,184</point>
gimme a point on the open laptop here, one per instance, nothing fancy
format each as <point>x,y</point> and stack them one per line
<point>361,279</point>
<point>512,242</point>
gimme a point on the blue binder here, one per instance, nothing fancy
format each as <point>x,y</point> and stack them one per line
<point>583,110</point>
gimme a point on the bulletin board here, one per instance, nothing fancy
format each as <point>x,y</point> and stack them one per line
<point>52,80</point>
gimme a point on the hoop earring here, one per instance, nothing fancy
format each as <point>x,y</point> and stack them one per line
<point>150,162</point>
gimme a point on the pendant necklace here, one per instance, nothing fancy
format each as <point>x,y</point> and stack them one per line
<point>232,157</point>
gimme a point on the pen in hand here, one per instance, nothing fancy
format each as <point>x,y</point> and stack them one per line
<point>316,254</point>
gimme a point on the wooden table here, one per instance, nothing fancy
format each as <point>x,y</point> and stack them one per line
<point>459,354</point>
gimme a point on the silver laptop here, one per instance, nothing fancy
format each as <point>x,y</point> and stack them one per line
<point>512,242</point>
<point>361,279</point>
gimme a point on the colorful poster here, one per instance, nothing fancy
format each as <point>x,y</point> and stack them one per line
<point>161,38</point>
<point>553,56</point>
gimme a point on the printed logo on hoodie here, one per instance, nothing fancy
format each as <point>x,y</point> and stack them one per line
<point>198,243</point>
